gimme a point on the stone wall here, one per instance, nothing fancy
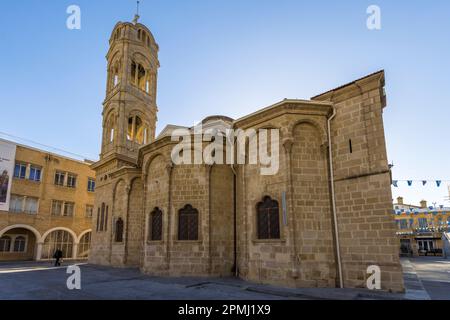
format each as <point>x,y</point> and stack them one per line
<point>221,228</point>
<point>157,196</point>
<point>135,224</point>
<point>119,211</point>
<point>101,240</point>
<point>362,182</point>
<point>190,186</point>
<point>262,259</point>
<point>313,218</point>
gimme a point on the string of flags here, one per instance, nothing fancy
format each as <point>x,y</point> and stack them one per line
<point>429,211</point>
<point>423,182</point>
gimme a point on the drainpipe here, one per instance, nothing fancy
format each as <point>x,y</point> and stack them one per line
<point>235,268</point>
<point>333,199</point>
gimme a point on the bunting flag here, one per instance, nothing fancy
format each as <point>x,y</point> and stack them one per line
<point>424,182</point>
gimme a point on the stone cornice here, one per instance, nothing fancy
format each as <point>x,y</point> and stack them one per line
<point>304,107</point>
<point>354,88</point>
<point>125,170</point>
<point>110,158</point>
<point>153,146</point>
<point>134,92</point>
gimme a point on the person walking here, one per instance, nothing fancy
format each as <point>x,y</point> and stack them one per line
<point>58,256</point>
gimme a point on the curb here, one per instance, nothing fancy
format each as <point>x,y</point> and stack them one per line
<point>414,289</point>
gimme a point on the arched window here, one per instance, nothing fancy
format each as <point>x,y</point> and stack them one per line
<point>5,244</point>
<point>98,219</point>
<point>136,130</point>
<point>139,34</point>
<point>19,244</point>
<point>188,223</point>
<point>145,135</point>
<point>138,75</point>
<point>58,239</point>
<point>114,74</point>
<point>268,219</point>
<point>155,227</point>
<point>106,219</point>
<point>84,245</point>
<point>102,217</point>
<point>115,78</point>
<point>134,68</point>
<point>119,230</point>
<point>141,77</point>
<point>130,129</point>
<point>110,128</point>
<point>139,130</point>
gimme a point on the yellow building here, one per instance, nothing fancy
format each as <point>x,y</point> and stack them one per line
<point>46,202</point>
<point>421,228</point>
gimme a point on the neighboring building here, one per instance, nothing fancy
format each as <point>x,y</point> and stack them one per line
<point>224,220</point>
<point>420,228</point>
<point>48,204</point>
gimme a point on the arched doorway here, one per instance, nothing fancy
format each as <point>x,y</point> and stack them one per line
<point>58,239</point>
<point>18,243</point>
<point>84,245</point>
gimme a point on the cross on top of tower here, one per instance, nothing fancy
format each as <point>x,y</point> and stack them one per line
<point>136,16</point>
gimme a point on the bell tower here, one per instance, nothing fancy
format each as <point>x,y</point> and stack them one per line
<point>129,109</point>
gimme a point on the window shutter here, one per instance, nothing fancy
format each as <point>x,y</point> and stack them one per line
<point>268,222</point>
<point>188,223</point>
<point>156,224</point>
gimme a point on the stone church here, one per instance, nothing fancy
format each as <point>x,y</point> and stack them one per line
<point>320,221</point>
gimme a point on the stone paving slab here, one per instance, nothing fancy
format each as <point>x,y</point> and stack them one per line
<point>31,281</point>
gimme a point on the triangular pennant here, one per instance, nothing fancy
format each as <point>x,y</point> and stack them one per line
<point>395,183</point>
<point>424,182</point>
<point>410,183</point>
<point>438,182</point>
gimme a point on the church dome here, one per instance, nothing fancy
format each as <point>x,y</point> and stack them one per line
<point>217,117</point>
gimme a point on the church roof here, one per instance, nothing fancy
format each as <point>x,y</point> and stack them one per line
<point>217,117</point>
<point>167,131</point>
<point>281,103</point>
<point>381,72</point>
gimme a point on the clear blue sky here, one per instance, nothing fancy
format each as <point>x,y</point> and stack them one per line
<point>233,57</point>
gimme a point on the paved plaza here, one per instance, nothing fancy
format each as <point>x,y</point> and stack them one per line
<point>425,278</point>
<point>432,274</point>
